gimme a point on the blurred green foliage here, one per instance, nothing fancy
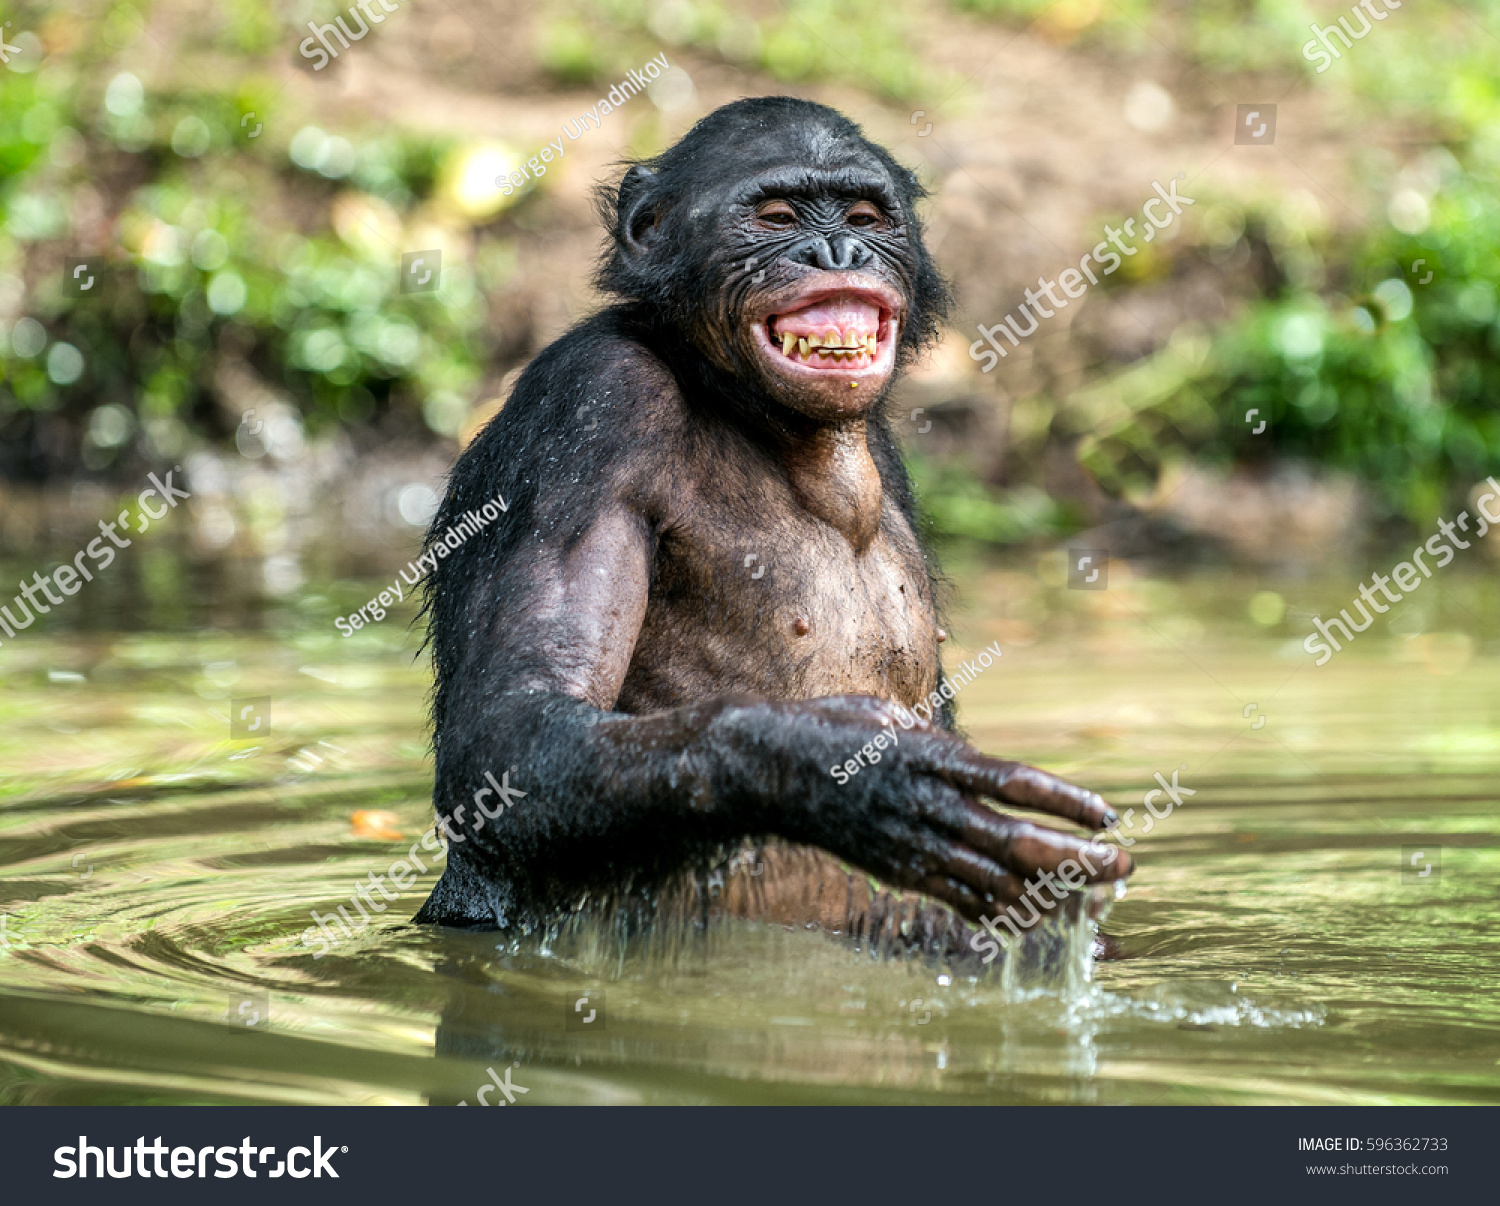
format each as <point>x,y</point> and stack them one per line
<point>232,239</point>
<point>957,504</point>
<point>1394,378</point>
<point>802,41</point>
<point>1432,61</point>
<point>212,247</point>
<point>1375,351</point>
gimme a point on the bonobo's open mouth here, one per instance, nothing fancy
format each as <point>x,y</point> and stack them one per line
<point>834,333</point>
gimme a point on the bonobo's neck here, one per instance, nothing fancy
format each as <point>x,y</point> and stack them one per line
<point>834,478</point>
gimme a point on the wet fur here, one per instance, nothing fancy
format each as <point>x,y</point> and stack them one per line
<point>626,410</point>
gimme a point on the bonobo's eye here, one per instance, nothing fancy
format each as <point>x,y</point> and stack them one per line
<point>863,214</point>
<point>777,215</point>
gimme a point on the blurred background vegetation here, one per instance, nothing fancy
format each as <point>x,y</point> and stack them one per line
<point>244,230</point>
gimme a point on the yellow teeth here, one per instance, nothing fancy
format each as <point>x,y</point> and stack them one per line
<point>850,342</point>
<point>836,344</point>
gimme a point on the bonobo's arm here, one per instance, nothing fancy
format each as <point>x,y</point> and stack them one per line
<point>615,801</point>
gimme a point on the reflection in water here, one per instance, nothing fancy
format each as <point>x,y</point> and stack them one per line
<point>1278,942</point>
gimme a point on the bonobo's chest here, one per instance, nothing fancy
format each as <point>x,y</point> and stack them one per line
<point>751,592</point>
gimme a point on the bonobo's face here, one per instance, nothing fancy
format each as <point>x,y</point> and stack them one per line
<point>820,264</point>
<point>783,245</point>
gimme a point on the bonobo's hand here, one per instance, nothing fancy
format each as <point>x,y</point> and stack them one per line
<point>915,819</point>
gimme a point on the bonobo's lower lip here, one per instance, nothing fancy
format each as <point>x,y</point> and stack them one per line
<point>837,332</point>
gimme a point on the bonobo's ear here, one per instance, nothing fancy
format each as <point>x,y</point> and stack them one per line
<point>637,210</point>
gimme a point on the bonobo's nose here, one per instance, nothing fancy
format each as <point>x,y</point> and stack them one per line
<point>839,254</point>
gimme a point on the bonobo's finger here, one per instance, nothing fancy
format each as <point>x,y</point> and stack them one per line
<point>979,872</point>
<point>1036,849</point>
<point>1005,893</point>
<point>1029,787</point>
<point>1002,906</point>
<point>1011,782</point>
<point>961,898</point>
<point>1026,848</point>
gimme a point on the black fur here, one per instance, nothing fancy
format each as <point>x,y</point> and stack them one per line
<point>611,804</point>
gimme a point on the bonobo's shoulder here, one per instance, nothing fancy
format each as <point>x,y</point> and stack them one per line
<point>600,374</point>
<point>594,414</point>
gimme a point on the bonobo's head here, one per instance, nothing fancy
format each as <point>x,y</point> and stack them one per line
<point>785,246</point>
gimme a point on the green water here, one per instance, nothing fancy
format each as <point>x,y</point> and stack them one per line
<point>1279,943</point>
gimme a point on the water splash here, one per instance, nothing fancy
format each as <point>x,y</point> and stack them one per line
<point>708,916</point>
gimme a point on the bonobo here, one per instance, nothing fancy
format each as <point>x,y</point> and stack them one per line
<point>707,589</point>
